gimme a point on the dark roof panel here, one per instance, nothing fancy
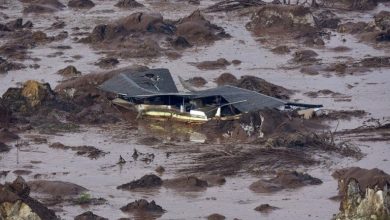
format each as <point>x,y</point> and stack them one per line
<point>154,81</point>
<point>243,99</point>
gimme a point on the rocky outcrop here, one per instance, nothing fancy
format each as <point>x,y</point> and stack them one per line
<point>15,203</point>
<point>365,193</point>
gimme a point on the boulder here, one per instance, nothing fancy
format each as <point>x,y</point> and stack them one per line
<point>15,203</point>
<point>365,193</point>
<point>30,96</point>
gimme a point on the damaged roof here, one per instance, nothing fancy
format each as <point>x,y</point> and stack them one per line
<point>159,82</point>
<point>242,99</point>
<point>132,84</point>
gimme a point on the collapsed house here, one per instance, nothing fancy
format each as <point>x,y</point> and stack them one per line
<point>153,93</point>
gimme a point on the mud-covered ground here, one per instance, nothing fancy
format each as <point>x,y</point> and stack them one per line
<point>342,63</point>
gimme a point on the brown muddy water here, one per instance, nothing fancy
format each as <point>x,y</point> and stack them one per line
<point>369,91</point>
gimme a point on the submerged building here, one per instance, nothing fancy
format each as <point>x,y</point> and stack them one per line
<point>153,93</point>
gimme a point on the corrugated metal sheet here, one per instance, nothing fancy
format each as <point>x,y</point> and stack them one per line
<point>247,100</point>
<point>154,81</point>
<point>159,82</point>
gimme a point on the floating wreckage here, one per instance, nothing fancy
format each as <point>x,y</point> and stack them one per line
<point>153,94</point>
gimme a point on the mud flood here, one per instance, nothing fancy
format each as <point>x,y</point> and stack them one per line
<point>74,153</point>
